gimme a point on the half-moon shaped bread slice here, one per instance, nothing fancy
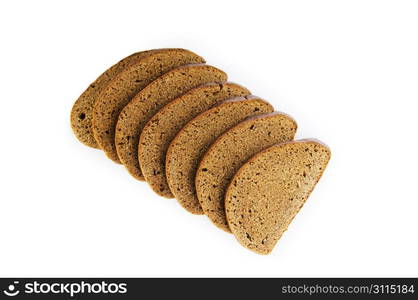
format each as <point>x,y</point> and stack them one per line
<point>230,151</point>
<point>147,102</point>
<point>269,190</point>
<point>164,125</point>
<point>81,113</point>
<point>193,140</point>
<point>121,89</point>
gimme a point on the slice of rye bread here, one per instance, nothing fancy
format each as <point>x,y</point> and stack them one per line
<point>81,113</point>
<point>269,190</point>
<point>192,141</point>
<point>152,98</point>
<point>164,125</point>
<point>230,150</point>
<point>123,87</point>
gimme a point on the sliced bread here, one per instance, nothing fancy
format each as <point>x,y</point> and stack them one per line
<point>164,125</point>
<point>81,113</point>
<point>147,102</point>
<point>229,152</point>
<point>269,190</point>
<point>193,140</point>
<point>123,87</point>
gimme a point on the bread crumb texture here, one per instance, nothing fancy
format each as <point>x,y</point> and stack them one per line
<point>81,113</point>
<point>121,89</point>
<point>164,125</point>
<point>194,139</point>
<point>269,190</point>
<point>230,151</point>
<point>149,101</point>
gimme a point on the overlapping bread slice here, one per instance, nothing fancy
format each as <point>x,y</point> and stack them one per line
<point>192,141</point>
<point>164,125</point>
<point>81,113</point>
<point>125,85</point>
<point>230,150</point>
<point>269,190</point>
<point>149,101</point>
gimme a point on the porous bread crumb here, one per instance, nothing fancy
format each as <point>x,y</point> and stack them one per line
<point>147,102</point>
<point>269,190</point>
<point>81,113</point>
<point>164,125</point>
<point>192,141</point>
<point>229,152</point>
<point>121,89</point>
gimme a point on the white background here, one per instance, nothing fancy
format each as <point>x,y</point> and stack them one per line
<point>347,71</point>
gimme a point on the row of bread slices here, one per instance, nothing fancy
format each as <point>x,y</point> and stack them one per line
<point>177,123</point>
